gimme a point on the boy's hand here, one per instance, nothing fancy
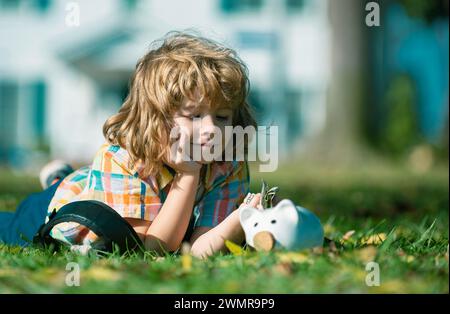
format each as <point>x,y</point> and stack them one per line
<point>178,158</point>
<point>252,200</point>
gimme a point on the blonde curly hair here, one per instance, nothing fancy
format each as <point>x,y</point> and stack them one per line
<point>183,65</point>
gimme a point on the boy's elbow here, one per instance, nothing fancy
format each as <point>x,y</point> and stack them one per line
<point>172,247</point>
<point>153,243</point>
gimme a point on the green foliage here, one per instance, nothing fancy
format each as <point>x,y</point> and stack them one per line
<point>401,126</point>
<point>426,10</point>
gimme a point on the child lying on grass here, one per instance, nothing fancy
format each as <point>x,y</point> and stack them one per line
<point>164,197</point>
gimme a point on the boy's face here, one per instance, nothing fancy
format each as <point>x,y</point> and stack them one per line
<point>204,127</point>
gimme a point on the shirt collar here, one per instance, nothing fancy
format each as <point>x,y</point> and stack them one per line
<point>166,176</point>
<point>123,158</point>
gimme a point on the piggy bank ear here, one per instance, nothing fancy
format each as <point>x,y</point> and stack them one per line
<point>287,209</point>
<point>245,213</point>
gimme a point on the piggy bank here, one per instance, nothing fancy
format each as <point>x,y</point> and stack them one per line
<point>283,226</point>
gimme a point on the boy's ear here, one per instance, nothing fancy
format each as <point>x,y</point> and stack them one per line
<point>245,213</point>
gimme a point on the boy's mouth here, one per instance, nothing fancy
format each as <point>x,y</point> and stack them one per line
<point>205,144</point>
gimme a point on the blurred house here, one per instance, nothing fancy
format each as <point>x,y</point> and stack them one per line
<point>60,80</point>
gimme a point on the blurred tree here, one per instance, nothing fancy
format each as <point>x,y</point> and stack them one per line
<point>445,144</point>
<point>401,129</point>
<point>341,139</point>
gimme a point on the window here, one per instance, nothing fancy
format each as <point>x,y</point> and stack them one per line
<point>8,117</point>
<point>235,6</point>
<point>37,5</point>
<point>129,5</point>
<point>295,5</point>
<point>31,117</point>
<point>37,104</point>
<point>9,4</point>
<point>257,40</point>
<point>293,114</point>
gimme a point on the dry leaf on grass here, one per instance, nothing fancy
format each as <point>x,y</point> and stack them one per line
<point>293,257</point>
<point>283,268</point>
<point>100,274</point>
<point>446,254</point>
<point>318,250</point>
<point>332,246</point>
<point>234,248</point>
<point>186,258</point>
<point>348,235</point>
<point>374,239</point>
<point>328,229</point>
<point>367,254</point>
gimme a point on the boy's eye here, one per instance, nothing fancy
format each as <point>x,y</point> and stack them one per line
<point>222,118</point>
<point>193,116</point>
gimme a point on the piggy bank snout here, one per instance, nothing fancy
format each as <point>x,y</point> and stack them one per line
<point>263,241</point>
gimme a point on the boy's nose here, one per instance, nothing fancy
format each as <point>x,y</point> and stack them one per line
<point>207,127</point>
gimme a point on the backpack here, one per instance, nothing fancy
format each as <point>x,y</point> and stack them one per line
<point>113,230</point>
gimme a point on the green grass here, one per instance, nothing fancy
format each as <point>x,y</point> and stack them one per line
<point>409,211</point>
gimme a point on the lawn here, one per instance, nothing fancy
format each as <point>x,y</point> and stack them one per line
<point>386,214</point>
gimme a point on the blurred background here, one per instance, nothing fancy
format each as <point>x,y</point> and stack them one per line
<point>337,88</point>
<point>358,89</point>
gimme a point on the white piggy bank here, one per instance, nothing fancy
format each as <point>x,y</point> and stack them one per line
<point>285,225</point>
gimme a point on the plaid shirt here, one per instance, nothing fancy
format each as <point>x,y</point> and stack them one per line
<point>222,187</point>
